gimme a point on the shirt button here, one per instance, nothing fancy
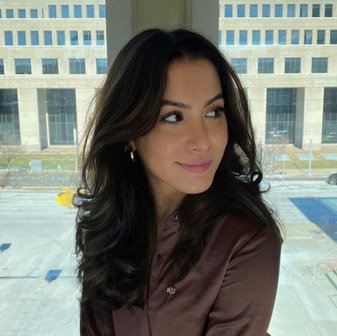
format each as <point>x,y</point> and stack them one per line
<point>159,258</point>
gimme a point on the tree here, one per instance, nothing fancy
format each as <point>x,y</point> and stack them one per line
<point>9,148</point>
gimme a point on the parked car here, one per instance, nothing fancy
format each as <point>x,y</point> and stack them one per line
<point>332,179</point>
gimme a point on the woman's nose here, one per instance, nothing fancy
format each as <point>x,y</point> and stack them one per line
<point>198,137</point>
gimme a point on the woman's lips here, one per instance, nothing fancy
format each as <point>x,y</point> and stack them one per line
<point>199,166</point>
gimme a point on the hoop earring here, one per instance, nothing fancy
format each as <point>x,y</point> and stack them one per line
<point>132,156</point>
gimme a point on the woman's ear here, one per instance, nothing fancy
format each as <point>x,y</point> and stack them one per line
<point>132,145</point>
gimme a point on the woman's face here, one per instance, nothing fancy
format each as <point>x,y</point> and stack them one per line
<point>183,151</point>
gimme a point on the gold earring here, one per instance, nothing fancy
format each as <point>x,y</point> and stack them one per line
<point>132,156</point>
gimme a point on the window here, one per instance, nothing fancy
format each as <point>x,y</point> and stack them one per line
<point>220,37</point>
<point>0,14</point>
<point>73,37</point>
<point>33,13</point>
<point>65,11</point>
<point>87,37</point>
<point>329,131</point>
<point>47,38</point>
<point>2,70</point>
<point>328,11</point>
<point>278,10</point>
<point>52,11</point>
<point>90,11</point>
<point>239,65</point>
<point>34,37</point>
<point>282,37</point>
<point>230,37</point>
<point>101,66</point>
<point>101,11</point>
<point>243,37</point>
<point>319,65</point>
<point>22,13</point>
<point>265,65</point>
<point>265,10</point>
<point>21,38</point>
<point>228,11</point>
<point>307,36</point>
<point>77,11</point>
<point>77,66</point>
<point>23,66</point>
<point>253,11</point>
<point>61,37</point>
<point>295,37</point>
<point>256,37</point>
<point>50,66</point>
<point>320,36</point>
<point>292,65</point>
<point>333,36</point>
<point>269,38</point>
<point>241,11</point>
<point>316,10</point>
<point>99,37</point>
<point>9,13</point>
<point>291,11</point>
<point>304,11</point>
<point>8,38</point>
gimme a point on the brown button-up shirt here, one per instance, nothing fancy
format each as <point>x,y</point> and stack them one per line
<point>229,292</point>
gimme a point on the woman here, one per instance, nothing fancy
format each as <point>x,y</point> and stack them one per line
<point>174,238</point>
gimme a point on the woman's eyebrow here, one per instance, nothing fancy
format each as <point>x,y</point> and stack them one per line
<point>182,105</point>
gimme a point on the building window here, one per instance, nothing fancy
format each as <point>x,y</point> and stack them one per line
<point>220,37</point>
<point>239,65</point>
<point>281,115</point>
<point>101,11</point>
<point>329,131</point>
<point>65,11</point>
<point>22,13</point>
<point>319,65</point>
<point>256,37</point>
<point>23,66</point>
<point>9,14</point>
<point>77,66</point>
<point>291,10</point>
<point>47,38</point>
<point>265,10</point>
<point>9,117</point>
<point>101,66</point>
<point>253,11</point>
<point>50,66</point>
<point>77,11</point>
<point>243,37</point>
<point>292,65</point>
<point>278,10</point>
<point>269,37</point>
<point>8,38</point>
<point>241,11</point>
<point>0,14</point>
<point>21,38</point>
<point>73,37</point>
<point>34,37</point>
<point>2,70</point>
<point>52,11</point>
<point>333,36</point>
<point>90,11</point>
<point>87,37</point>
<point>99,37</point>
<point>304,11</point>
<point>307,36</point>
<point>230,37</point>
<point>316,10</point>
<point>265,65</point>
<point>320,36</point>
<point>61,37</point>
<point>295,37</point>
<point>282,37</point>
<point>228,11</point>
<point>33,13</point>
<point>328,10</point>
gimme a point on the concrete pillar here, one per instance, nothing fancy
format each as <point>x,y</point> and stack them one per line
<point>126,18</point>
<point>258,102</point>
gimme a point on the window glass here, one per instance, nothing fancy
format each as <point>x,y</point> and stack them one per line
<point>303,10</point>
<point>90,11</point>
<point>8,38</point>
<point>316,10</point>
<point>329,130</point>
<point>99,37</point>
<point>9,13</point>
<point>265,10</point>
<point>21,38</point>
<point>333,36</point>
<point>77,11</point>
<point>243,37</point>
<point>61,37</point>
<point>307,36</point>
<point>2,70</point>
<point>269,37</point>
<point>292,65</point>
<point>65,11</point>
<point>34,37</point>
<point>266,65</point>
<point>278,10</point>
<point>228,11</point>
<point>101,66</point>
<point>101,11</point>
<point>50,66</point>
<point>256,37</point>
<point>87,37</point>
<point>319,65</point>
<point>282,37</point>
<point>33,13</point>
<point>239,65</point>
<point>230,37</point>
<point>220,37</point>
<point>22,13</point>
<point>23,66</point>
<point>295,36</point>
<point>73,37</point>
<point>320,36</point>
<point>291,10</point>
<point>253,11</point>
<point>77,66</point>
<point>328,10</point>
<point>52,11</point>
<point>47,37</point>
<point>241,11</point>
<point>0,14</point>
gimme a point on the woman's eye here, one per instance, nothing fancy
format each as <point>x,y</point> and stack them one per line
<point>172,118</point>
<point>215,113</point>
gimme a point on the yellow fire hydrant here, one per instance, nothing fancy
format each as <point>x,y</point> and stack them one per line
<point>65,197</point>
